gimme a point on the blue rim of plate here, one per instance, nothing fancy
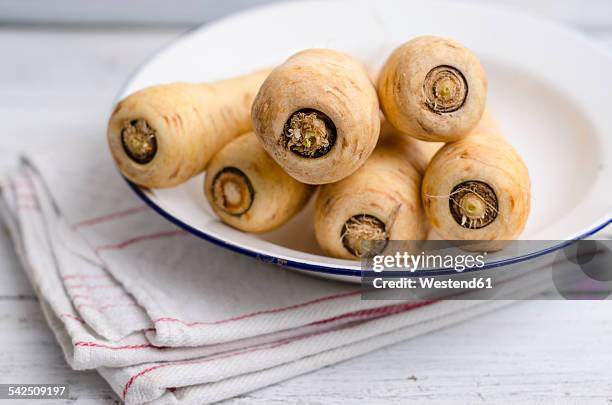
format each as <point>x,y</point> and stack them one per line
<point>345,272</point>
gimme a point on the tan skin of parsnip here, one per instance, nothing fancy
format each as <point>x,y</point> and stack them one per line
<point>317,115</point>
<point>478,189</point>
<point>433,89</point>
<point>163,135</point>
<point>379,202</point>
<point>249,191</point>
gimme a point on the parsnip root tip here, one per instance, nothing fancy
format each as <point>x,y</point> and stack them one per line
<point>445,89</point>
<point>473,204</point>
<point>139,141</point>
<point>232,191</point>
<point>364,235</point>
<point>309,133</point>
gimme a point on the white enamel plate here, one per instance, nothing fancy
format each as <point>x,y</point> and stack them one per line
<point>548,87</point>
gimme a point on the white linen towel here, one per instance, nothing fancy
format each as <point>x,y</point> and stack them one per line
<point>166,317</point>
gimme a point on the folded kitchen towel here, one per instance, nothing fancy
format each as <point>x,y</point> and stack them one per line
<point>168,318</point>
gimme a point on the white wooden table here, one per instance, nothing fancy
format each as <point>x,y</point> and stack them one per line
<point>60,84</point>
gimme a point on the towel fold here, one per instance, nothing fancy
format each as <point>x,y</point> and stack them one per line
<point>166,317</point>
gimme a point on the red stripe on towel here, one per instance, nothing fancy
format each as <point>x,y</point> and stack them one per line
<point>74,317</point>
<point>366,313</point>
<point>389,310</point>
<point>84,276</point>
<point>126,347</point>
<point>374,312</point>
<point>92,287</point>
<point>102,299</point>
<point>126,243</point>
<point>109,217</point>
<point>262,312</point>
<point>164,365</point>
<point>103,307</point>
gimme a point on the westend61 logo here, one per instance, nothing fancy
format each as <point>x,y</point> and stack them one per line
<point>410,262</point>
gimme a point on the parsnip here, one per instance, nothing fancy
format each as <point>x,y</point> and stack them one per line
<point>317,115</point>
<point>163,135</point>
<point>478,188</point>
<point>248,190</point>
<point>379,202</point>
<point>433,89</point>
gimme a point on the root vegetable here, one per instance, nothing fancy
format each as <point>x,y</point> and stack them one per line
<point>163,135</point>
<point>418,153</point>
<point>433,89</point>
<point>317,115</point>
<point>379,202</point>
<point>248,190</point>
<point>478,188</point>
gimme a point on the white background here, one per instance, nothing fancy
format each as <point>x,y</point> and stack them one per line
<point>586,13</point>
